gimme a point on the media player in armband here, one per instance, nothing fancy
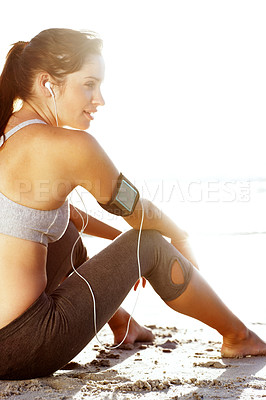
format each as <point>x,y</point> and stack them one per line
<point>124,198</point>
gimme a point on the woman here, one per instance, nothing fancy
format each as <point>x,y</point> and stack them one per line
<point>46,320</point>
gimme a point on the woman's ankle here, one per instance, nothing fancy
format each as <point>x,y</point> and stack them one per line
<point>237,335</point>
<point>120,318</point>
<point>241,346</point>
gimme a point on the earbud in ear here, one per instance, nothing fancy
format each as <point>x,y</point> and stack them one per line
<point>48,86</point>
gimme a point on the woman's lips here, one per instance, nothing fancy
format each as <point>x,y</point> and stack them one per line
<point>89,115</point>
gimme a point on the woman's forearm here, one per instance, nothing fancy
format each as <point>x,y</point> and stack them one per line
<point>156,219</point>
<point>94,226</point>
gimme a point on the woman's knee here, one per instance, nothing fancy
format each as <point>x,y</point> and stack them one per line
<point>171,271</point>
<point>149,236</point>
<point>151,243</point>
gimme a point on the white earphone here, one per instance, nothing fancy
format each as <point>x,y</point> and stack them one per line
<point>48,86</point>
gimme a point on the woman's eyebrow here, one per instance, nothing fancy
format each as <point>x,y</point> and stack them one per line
<point>92,77</point>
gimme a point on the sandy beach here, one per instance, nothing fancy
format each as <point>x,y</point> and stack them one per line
<point>184,361</point>
<point>180,364</point>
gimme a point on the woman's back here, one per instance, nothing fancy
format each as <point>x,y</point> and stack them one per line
<point>24,180</point>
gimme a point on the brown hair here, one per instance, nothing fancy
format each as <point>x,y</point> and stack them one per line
<point>56,51</point>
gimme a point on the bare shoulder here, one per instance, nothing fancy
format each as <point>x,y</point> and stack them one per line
<point>79,157</point>
<point>59,142</point>
<point>61,147</point>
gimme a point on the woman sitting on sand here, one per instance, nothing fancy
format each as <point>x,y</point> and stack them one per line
<point>45,319</point>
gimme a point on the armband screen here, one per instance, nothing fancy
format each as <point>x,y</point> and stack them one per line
<point>124,198</point>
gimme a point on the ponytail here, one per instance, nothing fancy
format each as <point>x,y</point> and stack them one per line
<point>9,84</point>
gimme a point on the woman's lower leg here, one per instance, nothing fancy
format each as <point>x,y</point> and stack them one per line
<point>202,303</point>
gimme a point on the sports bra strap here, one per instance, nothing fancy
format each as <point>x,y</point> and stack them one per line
<point>18,127</point>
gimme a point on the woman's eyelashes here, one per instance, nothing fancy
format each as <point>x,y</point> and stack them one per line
<point>91,85</point>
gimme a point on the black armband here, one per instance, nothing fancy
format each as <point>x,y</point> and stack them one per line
<point>124,198</point>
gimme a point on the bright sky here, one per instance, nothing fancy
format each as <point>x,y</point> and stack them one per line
<point>185,85</point>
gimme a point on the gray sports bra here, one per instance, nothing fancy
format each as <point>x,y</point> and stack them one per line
<point>29,223</point>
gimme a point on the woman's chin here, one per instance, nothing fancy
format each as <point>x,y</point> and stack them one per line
<point>82,126</point>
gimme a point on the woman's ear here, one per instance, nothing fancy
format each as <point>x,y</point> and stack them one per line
<point>44,84</point>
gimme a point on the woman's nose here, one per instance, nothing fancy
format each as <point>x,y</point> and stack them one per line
<point>98,99</point>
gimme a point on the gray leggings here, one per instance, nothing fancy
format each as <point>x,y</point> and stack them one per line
<point>60,322</point>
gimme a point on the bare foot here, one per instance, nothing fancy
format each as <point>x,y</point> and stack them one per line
<point>136,333</point>
<point>250,345</point>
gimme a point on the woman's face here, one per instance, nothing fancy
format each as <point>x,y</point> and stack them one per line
<point>81,94</point>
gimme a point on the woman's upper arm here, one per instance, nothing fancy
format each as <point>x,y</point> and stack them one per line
<point>90,167</point>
